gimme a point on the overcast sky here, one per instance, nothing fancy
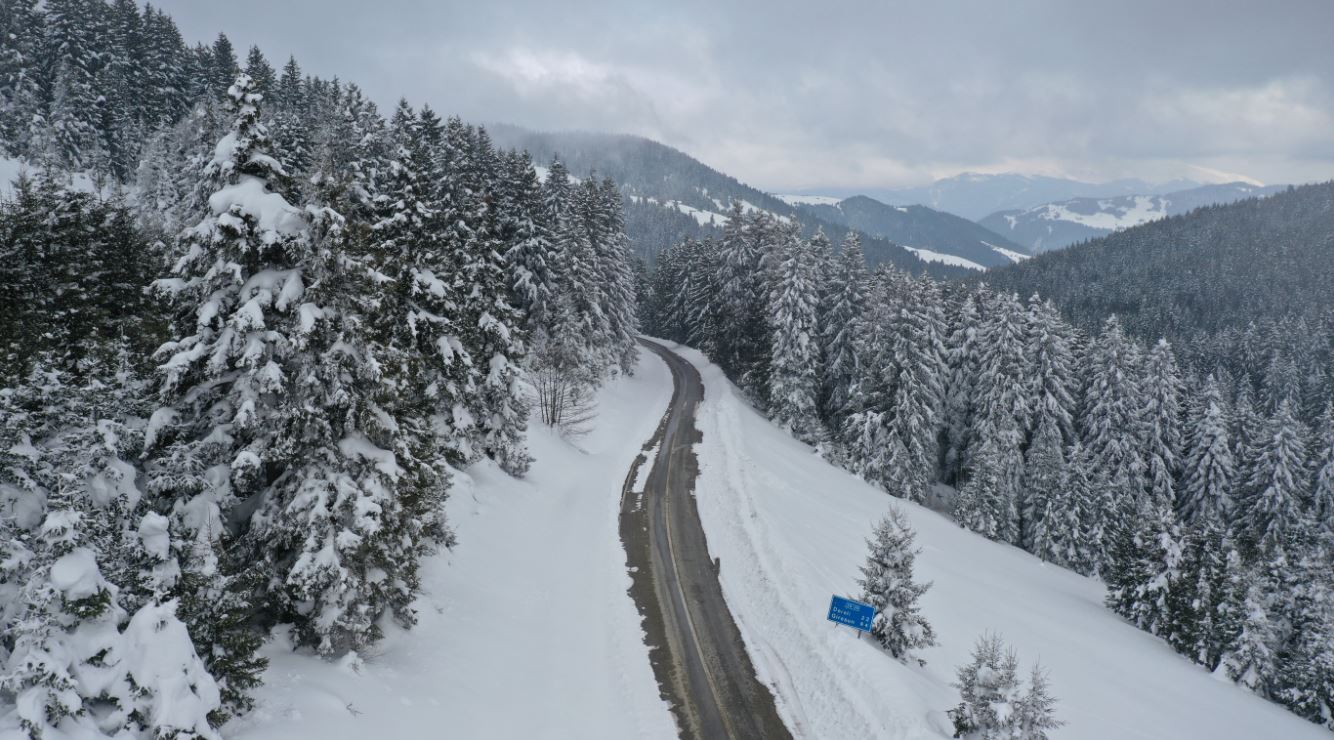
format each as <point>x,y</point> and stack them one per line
<point>800,95</point>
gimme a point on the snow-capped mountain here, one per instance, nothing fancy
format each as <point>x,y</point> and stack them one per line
<point>934,236</point>
<point>974,195</point>
<point>1062,223</point>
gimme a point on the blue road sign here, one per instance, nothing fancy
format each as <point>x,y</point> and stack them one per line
<point>854,614</point>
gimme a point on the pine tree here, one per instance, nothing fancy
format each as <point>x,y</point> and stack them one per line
<point>1208,472</point>
<point>839,322</point>
<point>1251,661</point>
<point>1049,344</point>
<point>1002,414</point>
<point>916,356</point>
<point>986,504</point>
<point>237,293</point>
<point>1114,429</point>
<point>887,584</point>
<point>1271,505</point>
<point>995,705</point>
<point>963,356</point>
<point>1322,493</point>
<point>260,72</point>
<point>1044,497</point>
<point>1162,417</point>
<point>795,383</point>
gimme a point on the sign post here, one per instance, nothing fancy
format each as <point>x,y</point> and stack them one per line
<point>854,614</point>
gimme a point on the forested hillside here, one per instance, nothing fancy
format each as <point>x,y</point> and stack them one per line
<point>671,196</point>
<point>236,381</point>
<point>922,228</point>
<point>1241,290</point>
<point>1203,500</point>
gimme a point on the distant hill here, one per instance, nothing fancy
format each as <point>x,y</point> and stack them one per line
<point>1060,224</point>
<point>1215,268</point>
<point>974,196</point>
<point>671,196</point>
<point>916,227</point>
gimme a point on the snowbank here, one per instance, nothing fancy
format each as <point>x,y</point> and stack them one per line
<point>525,629</point>
<point>790,529</point>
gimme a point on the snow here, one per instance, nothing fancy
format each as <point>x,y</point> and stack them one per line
<point>926,255</point>
<point>1009,254</point>
<point>272,213</point>
<point>645,467</point>
<point>790,529</point>
<point>160,657</point>
<point>525,630</point>
<point>703,218</point>
<point>809,200</point>
<point>11,168</point>
<point>76,576</point>
<point>1111,215</point>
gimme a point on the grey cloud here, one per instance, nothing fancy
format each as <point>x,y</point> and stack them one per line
<point>802,95</point>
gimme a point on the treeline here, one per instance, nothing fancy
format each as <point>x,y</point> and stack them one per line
<point>234,389</point>
<point>1204,505</point>
<point>1241,290</point>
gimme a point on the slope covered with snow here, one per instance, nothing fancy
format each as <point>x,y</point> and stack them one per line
<point>526,629</point>
<point>927,255</point>
<point>789,531</point>
<point>1060,224</point>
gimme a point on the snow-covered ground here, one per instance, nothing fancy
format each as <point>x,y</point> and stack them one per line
<point>926,255</point>
<point>789,530</point>
<point>10,169</point>
<point>1009,254</point>
<point>1112,214</point>
<point>526,628</point>
<point>812,200</point>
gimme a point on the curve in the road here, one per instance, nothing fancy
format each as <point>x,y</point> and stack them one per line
<point>697,652</point>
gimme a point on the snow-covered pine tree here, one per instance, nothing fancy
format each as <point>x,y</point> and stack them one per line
<point>490,328</point>
<point>987,502</point>
<point>1208,473</point>
<point>260,72</point>
<point>963,356</point>
<point>1322,489</point>
<point>527,236</point>
<point>916,354</point>
<point>743,338</point>
<point>994,704</point>
<point>1205,603</point>
<point>1001,406</point>
<point>1145,567</point>
<point>1035,713</point>
<point>1049,343</point>
<point>613,259</point>
<point>1162,417</point>
<point>888,584</point>
<point>1250,659</point>
<point>1044,504</point>
<point>1072,529</point>
<point>1113,427</point>
<point>1271,505</point>
<point>795,380</point>
<point>847,301</point>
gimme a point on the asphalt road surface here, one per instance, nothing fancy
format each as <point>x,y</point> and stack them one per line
<point>697,653</point>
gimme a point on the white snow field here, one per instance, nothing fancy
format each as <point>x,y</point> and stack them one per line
<point>526,629</point>
<point>926,255</point>
<point>790,529</point>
